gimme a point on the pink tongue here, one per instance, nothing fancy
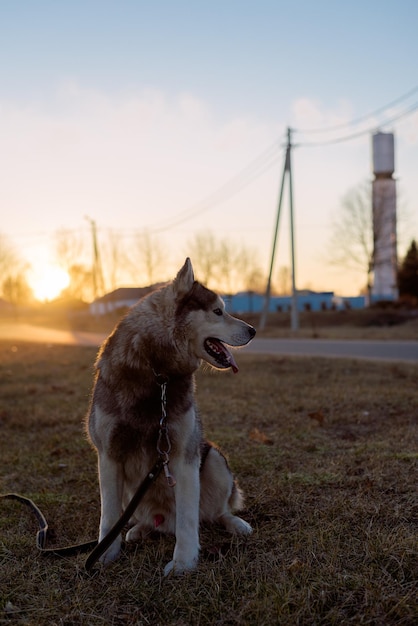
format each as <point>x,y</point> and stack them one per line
<point>233,364</point>
<point>221,347</point>
<point>229,356</point>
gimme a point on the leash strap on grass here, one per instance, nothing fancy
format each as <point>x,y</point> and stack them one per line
<point>42,534</point>
<point>97,548</point>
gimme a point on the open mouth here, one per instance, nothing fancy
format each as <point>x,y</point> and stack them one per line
<point>220,354</point>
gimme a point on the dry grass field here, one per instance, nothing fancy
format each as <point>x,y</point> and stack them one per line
<point>326,451</point>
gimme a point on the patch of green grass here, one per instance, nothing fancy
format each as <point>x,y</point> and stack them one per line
<point>325,451</point>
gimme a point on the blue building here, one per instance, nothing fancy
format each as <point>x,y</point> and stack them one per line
<point>250,302</point>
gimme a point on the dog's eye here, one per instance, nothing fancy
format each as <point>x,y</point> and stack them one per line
<point>218,311</point>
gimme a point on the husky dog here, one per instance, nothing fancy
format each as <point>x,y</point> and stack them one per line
<point>157,346</point>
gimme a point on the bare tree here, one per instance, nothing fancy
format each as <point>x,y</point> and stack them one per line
<point>81,283</point>
<point>115,260</point>
<point>7,254</point>
<point>249,275</point>
<point>352,241</point>
<point>352,230</point>
<point>255,280</point>
<point>13,274</point>
<point>147,259</point>
<point>203,250</point>
<point>224,265</point>
<point>16,289</point>
<point>70,249</point>
<point>227,263</point>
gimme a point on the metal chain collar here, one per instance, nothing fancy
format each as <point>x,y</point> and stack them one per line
<point>164,443</point>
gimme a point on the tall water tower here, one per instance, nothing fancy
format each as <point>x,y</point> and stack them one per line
<point>384,219</point>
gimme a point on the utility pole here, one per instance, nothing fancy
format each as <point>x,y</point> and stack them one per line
<point>294,307</point>
<point>294,314</point>
<point>267,294</point>
<point>98,283</point>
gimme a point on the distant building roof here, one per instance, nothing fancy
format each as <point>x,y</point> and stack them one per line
<point>123,294</point>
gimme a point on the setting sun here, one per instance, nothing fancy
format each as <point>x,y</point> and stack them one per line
<point>47,283</point>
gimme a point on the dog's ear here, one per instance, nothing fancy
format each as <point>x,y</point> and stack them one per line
<point>184,280</point>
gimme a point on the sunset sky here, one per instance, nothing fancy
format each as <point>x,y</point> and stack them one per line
<point>170,117</point>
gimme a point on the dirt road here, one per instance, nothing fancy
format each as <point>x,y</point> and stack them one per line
<point>39,334</point>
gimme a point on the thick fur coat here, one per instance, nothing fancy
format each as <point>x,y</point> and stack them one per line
<point>159,345</point>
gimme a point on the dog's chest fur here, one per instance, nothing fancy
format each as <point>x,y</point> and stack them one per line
<point>133,410</point>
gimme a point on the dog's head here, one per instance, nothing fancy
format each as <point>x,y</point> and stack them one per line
<point>204,322</point>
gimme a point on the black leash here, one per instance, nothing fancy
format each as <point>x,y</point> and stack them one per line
<point>98,548</point>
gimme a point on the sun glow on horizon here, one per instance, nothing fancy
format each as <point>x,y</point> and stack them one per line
<point>48,282</point>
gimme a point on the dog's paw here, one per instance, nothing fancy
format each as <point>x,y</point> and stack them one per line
<point>178,568</point>
<point>135,534</point>
<point>236,524</point>
<point>112,553</point>
<point>243,527</point>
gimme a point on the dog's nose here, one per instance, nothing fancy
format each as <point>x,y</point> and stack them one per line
<point>252,331</point>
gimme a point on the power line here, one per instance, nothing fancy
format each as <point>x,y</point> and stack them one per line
<point>360,133</point>
<point>246,176</point>
<point>359,119</point>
